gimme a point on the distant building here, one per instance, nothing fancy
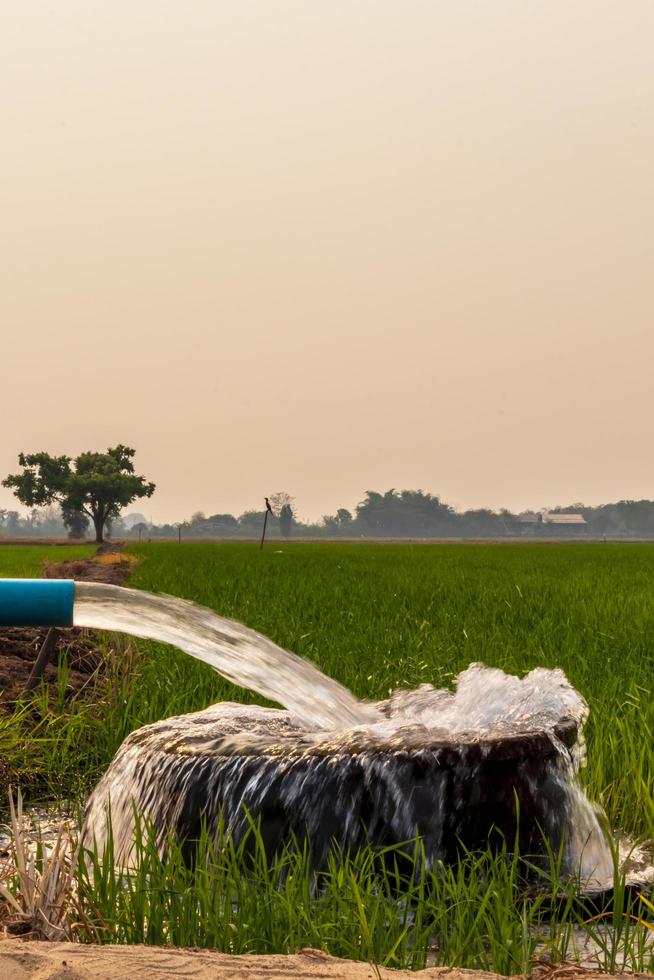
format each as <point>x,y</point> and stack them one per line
<point>531,522</point>
<point>560,525</point>
<point>567,520</point>
<point>529,518</point>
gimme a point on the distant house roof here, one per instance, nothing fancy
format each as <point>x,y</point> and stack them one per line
<point>564,519</point>
<point>529,517</point>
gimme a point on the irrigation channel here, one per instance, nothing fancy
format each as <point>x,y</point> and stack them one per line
<point>497,754</point>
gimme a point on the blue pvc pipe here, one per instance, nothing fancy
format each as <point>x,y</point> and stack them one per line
<point>36,602</point>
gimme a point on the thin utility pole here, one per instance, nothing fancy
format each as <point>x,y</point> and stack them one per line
<point>269,510</point>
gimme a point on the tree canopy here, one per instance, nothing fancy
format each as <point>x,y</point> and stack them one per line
<point>402,513</point>
<point>98,485</point>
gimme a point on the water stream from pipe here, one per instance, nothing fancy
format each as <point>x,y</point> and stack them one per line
<point>243,656</point>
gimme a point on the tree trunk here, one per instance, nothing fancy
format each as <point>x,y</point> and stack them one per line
<point>98,524</point>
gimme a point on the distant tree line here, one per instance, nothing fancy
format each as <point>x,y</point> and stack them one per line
<point>393,514</point>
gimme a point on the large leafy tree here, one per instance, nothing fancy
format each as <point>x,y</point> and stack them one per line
<point>96,484</point>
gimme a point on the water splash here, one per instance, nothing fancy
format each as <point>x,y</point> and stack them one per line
<point>419,760</point>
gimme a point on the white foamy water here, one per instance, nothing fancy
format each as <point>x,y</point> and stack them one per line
<point>486,701</point>
<point>486,704</point>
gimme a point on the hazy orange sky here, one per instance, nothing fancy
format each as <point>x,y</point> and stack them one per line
<point>331,245</point>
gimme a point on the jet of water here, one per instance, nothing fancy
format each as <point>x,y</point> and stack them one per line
<point>242,655</point>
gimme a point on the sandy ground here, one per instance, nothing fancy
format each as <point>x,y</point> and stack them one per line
<point>68,961</point>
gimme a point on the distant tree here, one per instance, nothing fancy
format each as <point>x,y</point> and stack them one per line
<point>99,485</point>
<point>625,518</point>
<point>279,500</point>
<point>227,519</point>
<point>405,513</point>
<point>47,521</point>
<point>12,522</point>
<point>222,524</point>
<point>481,523</point>
<point>130,520</point>
<point>198,524</point>
<point>31,522</point>
<point>75,521</point>
<point>339,523</point>
<point>115,527</point>
<point>282,506</point>
<point>217,525</point>
<point>251,522</point>
<point>286,520</point>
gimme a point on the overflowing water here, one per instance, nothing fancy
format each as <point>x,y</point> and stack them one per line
<point>444,763</point>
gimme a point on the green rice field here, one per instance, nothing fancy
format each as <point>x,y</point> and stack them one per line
<point>375,617</point>
<point>26,560</point>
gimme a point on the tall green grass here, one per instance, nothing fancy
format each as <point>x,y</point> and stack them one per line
<point>481,914</point>
<point>56,747</point>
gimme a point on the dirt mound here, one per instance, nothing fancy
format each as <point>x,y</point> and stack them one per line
<point>19,647</point>
<point>110,564</point>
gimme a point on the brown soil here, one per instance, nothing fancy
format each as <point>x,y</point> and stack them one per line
<point>19,647</point>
